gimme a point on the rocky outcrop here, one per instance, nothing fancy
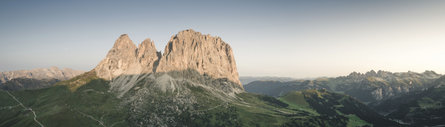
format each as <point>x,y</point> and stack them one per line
<point>203,53</point>
<point>147,56</point>
<point>126,59</point>
<point>40,73</point>
<point>126,65</point>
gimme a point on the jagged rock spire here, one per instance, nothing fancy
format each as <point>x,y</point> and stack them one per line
<point>147,55</point>
<point>125,58</point>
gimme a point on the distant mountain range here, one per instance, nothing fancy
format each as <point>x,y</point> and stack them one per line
<point>410,98</point>
<point>418,108</point>
<point>368,87</point>
<point>40,73</point>
<point>35,78</point>
<point>248,79</point>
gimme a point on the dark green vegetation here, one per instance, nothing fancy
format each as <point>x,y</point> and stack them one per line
<point>278,88</point>
<point>418,108</point>
<point>27,83</point>
<point>247,79</point>
<point>190,100</point>
<point>58,106</point>
<point>369,87</point>
<point>412,99</point>
<point>335,109</point>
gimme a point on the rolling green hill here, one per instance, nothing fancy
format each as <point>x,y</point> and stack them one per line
<point>332,105</point>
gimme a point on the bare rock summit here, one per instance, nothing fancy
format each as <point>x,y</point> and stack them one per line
<point>203,53</point>
<point>147,55</point>
<point>187,50</point>
<point>127,59</point>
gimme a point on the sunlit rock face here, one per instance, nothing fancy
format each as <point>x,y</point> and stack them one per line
<point>127,59</point>
<point>203,53</point>
<point>127,65</point>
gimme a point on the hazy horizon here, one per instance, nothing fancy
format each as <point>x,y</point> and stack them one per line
<point>298,39</point>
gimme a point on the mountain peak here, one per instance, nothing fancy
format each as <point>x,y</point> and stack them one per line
<point>124,42</point>
<point>147,55</point>
<point>147,42</point>
<point>186,50</point>
<point>121,59</point>
<point>188,31</point>
<point>54,68</point>
<point>206,54</point>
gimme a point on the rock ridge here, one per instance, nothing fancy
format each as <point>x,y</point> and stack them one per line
<point>126,58</point>
<point>204,53</point>
<point>188,49</point>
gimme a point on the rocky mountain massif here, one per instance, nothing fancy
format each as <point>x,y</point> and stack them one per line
<point>203,53</point>
<point>126,64</point>
<point>36,78</point>
<point>414,99</point>
<point>193,83</point>
<point>418,108</point>
<point>368,87</point>
<point>40,73</point>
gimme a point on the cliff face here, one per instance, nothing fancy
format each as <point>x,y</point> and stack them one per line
<point>147,56</point>
<point>203,53</point>
<point>188,50</point>
<point>126,59</point>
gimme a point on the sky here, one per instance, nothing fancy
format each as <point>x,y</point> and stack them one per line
<point>299,39</point>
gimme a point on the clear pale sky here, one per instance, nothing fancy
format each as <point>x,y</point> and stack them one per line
<point>270,38</point>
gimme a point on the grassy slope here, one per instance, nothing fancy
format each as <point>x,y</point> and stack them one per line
<point>59,106</point>
<point>85,101</point>
<point>297,101</point>
<point>418,108</point>
<point>328,105</point>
